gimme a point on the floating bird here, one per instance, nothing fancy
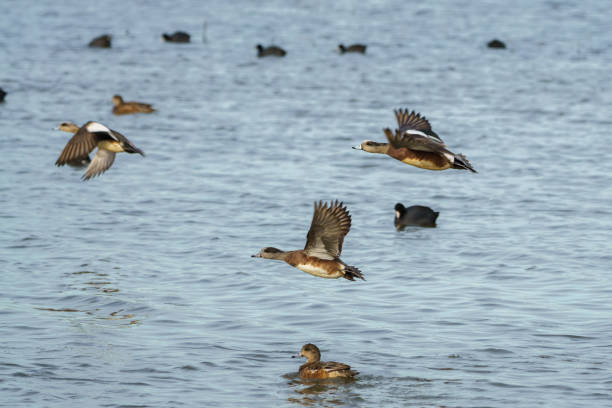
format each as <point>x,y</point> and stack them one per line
<point>90,136</point>
<point>416,144</point>
<point>177,37</point>
<point>314,368</point>
<point>103,41</point>
<point>125,108</point>
<point>2,95</point>
<point>78,161</point>
<point>496,44</point>
<point>415,215</point>
<point>359,48</point>
<point>320,256</point>
<point>272,50</point>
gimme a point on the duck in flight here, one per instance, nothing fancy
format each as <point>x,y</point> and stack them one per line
<point>315,368</point>
<point>320,256</point>
<point>92,135</point>
<point>415,143</point>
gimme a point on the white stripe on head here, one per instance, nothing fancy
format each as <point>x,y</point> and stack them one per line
<point>450,157</point>
<point>97,127</point>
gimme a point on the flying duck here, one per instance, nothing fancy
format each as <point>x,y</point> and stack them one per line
<point>313,368</point>
<point>272,50</point>
<point>320,256</point>
<point>78,162</point>
<point>416,144</point>
<point>90,136</point>
<point>125,108</point>
<point>418,215</point>
<point>359,48</point>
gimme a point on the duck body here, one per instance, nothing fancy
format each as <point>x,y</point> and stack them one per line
<point>271,51</point>
<point>95,135</point>
<point>316,369</point>
<point>177,37</point>
<point>417,215</point>
<point>103,41</point>
<point>320,256</point>
<point>416,144</point>
<point>495,43</point>
<point>357,48</point>
<point>125,108</point>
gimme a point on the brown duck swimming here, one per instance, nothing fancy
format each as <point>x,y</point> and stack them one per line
<point>316,369</point>
<point>126,108</point>
<point>416,144</point>
<point>320,256</point>
<point>88,137</point>
<point>103,41</point>
<point>177,37</point>
<point>358,48</point>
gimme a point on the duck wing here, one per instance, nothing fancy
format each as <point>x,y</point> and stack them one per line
<point>79,146</point>
<point>334,366</point>
<point>329,226</point>
<point>100,163</point>
<point>415,140</point>
<point>414,121</point>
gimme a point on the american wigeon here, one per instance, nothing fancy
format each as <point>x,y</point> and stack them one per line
<point>495,43</point>
<point>414,215</point>
<point>320,256</point>
<point>125,108</point>
<point>177,37</point>
<point>313,368</point>
<point>103,41</point>
<point>416,144</point>
<point>80,161</point>
<point>271,51</point>
<point>90,136</point>
<point>359,48</point>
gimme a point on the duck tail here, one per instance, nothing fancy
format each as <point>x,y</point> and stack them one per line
<point>461,162</point>
<point>435,217</point>
<point>351,272</point>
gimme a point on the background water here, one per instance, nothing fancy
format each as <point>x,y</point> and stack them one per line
<point>137,288</point>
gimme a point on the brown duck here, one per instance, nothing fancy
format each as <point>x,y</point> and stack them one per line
<point>125,108</point>
<point>80,161</point>
<point>88,137</point>
<point>320,256</point>
<point>316,369</point>
<point>415,143</point>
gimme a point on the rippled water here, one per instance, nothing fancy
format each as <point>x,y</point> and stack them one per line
<point>137,288</point>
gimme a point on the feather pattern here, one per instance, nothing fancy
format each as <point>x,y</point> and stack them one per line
<point>329,226</point>
<point>413,121</point>
<point>100,163</point>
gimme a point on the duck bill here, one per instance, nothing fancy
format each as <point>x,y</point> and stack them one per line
<point>296,356</point>
<point>257,255</point>
<point>358,147</point>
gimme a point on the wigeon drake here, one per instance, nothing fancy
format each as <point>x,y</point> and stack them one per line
<point>320,256</point>
<point>316,369</point>
<point>416,144</point>
<point>90,136</point>
<point>358,48</point>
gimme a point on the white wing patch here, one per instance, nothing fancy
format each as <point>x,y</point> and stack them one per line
<point>97,127</point>
<point>416,132</point>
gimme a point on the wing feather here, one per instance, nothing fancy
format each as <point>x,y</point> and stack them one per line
<point>413,121</point>
<point>79,146</point>
<point>330,224</point>
<point>99,164</point>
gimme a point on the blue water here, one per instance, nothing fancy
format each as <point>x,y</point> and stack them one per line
<point>137,288</point>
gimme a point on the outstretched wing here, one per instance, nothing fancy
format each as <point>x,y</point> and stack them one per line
<point>415,140</point>
<point>412,121</point>
<point>79,146</point>
<point>329,226</point>
<point>99,164</point>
